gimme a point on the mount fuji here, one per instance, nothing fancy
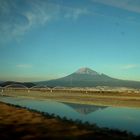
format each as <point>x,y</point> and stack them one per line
<point>86,77</point>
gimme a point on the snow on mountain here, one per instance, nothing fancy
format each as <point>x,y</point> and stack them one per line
<point>86,71</point>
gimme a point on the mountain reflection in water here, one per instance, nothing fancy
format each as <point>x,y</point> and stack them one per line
<point>83,108</point>
<point>103,116</point>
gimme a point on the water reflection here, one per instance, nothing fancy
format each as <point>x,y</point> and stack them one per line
<point>84,109</point>
<point>111,117</point>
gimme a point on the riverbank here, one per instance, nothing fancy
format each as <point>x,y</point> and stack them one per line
<point>104,99</point>
<point>21,124</point>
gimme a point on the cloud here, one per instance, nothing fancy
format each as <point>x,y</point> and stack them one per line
<point>19,17</point>
<point>24,66</point>
<point>75,13</point>
<point>130,66</point>
<point>130,5</point>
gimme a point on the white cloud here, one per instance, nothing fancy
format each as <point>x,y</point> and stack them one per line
<point>75,13</point>
<point>17,18</point>
<point>130,5</point>
<point>130,66</point>
<point>24,66</point>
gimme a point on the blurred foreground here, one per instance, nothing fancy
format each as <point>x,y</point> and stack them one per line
<point>21,124</point>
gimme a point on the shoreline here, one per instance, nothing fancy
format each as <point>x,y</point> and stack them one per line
<point>30,125</point>
<point>102,99</point>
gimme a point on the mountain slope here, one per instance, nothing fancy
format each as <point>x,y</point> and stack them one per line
<point>86,77</point>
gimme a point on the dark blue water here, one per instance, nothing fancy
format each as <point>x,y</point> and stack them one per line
<point>112,117</point>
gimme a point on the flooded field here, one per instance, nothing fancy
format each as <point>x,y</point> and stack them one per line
<point>104,98</point>
<point>104,116</point>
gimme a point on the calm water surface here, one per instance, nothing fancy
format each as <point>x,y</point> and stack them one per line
<point>112,117</point>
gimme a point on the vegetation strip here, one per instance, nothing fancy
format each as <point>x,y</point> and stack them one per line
<point>31,124</point>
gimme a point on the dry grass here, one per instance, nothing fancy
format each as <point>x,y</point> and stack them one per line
<point>16,123</point>
<point>93,98</point>
<point>21,124</point>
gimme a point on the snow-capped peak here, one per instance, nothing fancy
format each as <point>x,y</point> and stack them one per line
<point>86,71</point>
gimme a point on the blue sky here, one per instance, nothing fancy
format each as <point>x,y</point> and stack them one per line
<point>48,39</point>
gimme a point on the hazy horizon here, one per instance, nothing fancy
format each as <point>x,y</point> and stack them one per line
<point>48,39</point>
<point>44,79</point>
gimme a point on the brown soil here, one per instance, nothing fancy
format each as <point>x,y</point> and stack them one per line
<point>17,123</point>
<point>21,124</point>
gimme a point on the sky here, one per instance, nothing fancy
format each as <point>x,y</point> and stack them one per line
<point>47,39</point>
